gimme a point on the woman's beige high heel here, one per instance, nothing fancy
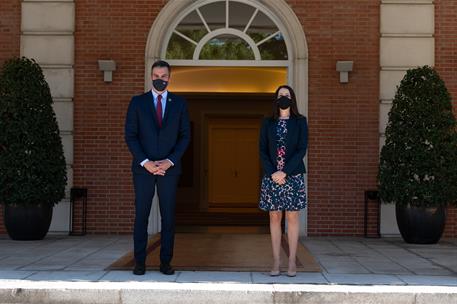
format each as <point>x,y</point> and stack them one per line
<point>291,274</point>
<point>273,272</point>
<point>292,271</point>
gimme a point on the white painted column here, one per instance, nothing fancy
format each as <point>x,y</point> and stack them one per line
<point>407,29</point>
<point>300,73</point>
<point>47,35</point>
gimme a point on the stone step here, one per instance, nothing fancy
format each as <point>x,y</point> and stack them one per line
<point>56,292</point>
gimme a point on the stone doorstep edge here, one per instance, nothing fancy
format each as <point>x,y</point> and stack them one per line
<point>20,291</point>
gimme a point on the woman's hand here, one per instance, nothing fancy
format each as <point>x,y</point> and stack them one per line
<point>279,177</point>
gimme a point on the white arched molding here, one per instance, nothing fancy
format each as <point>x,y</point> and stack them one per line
<point>278,10</point>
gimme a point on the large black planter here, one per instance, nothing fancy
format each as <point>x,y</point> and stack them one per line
<point>420,225</point>
<point>27,222</point>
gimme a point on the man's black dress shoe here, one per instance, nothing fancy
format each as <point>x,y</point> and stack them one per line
<point>139,269</point>
<point>167,269</point>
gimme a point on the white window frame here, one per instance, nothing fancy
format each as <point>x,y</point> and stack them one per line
<point>230,31</point>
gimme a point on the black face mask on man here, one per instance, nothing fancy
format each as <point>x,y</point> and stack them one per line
<point>159,84</point>
<point>284,102</point>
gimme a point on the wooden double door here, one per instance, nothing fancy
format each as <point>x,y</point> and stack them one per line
<point>221,177</point>
<point>233,163</point>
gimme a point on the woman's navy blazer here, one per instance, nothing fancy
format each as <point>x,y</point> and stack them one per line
<point>296,145</point>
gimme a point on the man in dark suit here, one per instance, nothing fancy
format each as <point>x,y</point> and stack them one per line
<point>157,134</point>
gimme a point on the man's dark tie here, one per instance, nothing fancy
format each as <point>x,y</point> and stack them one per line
<point>159,110</point>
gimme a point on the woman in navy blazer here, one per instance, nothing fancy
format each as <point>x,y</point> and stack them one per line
<point>283,144</point>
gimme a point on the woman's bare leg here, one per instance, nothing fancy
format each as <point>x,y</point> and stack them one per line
<point>275,231</point>
<point>293,227</point>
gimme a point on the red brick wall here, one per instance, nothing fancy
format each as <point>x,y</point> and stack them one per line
<point>446,64</point>
<point>343,147</point>
<point>107,30</point>
<point>343,119</point>
<point>10,31</point>
<point>343,152</point>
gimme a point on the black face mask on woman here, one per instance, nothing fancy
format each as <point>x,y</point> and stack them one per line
<point>284,102</point>
<point>159,84</point>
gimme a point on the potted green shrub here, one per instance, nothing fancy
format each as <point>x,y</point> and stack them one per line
<point>32,163</point>
<point>418,165</point>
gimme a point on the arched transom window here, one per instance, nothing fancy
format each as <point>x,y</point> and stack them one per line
<point>226,30</point>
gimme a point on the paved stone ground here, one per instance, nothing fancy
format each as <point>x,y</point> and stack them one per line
<point>344,261</point>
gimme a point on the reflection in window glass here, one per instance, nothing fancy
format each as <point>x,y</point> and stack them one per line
<point>179,48</point>
<point>274,49</point>
<point>227,47</point>
<point>239,15</point>
<point>214,14</point>
<point>192,26</point>
<point>261,27</point>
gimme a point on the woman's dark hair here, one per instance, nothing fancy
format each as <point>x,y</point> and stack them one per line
<point>161,64</point>
<point>293,107</point>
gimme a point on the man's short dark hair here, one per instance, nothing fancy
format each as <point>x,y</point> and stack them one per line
<point>161,64</point>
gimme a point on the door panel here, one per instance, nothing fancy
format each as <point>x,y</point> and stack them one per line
<point>248,165</point>
<point>233,162</point>
<point>192,207</point>
<point>222,165</point>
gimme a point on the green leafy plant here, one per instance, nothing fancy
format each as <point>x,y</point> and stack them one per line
<point>32,163</point>
<point>418,164</point>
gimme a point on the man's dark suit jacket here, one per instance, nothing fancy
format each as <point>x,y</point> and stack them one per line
<point>296,145</point>
<point>145,139</point>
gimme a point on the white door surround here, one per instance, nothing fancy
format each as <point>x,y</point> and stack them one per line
<point>283,17</point>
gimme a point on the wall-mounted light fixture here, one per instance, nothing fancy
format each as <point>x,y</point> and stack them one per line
<point>344,67</point>
<point>107,67</point>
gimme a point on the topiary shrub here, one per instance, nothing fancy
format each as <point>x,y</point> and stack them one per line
<point>418,164</point>
<point>32,163</point>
